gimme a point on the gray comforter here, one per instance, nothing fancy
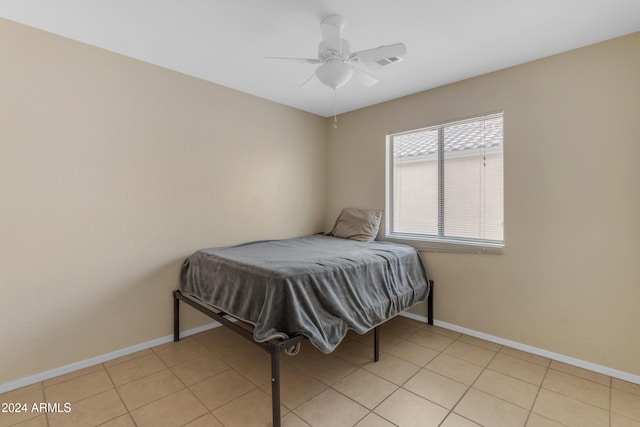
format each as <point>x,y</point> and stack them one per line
<point>317,286</point>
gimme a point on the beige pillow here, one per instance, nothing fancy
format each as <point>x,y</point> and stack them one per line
<point>357,224</point>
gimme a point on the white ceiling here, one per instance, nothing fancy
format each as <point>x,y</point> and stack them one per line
<point>225,41</point>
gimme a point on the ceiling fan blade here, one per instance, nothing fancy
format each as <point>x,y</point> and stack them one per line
<point>362,77</point>
<point>307,82</point>
<point>331,28</point>
<point>397,50</point>
<point>305,60</point>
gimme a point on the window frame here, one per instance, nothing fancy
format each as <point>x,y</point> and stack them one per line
<point>441,242</point>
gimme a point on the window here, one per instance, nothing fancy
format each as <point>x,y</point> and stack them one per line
<point>445,185</point>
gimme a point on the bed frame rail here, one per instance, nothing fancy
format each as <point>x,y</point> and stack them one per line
<point>273,347</point>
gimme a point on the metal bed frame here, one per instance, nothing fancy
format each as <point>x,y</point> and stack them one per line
<point>273,347</point>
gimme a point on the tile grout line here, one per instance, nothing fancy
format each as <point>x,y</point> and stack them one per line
<point>167,367</point>
<point>86,397</point>
<point>119,396</point>
<point>450,411</point>
<point>208,353</point>
<point>185,387</point>
<point>470,386</point>
<point>533,404</point>
<point>397,387</point>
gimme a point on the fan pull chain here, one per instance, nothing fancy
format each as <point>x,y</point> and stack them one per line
<point>335,115</point>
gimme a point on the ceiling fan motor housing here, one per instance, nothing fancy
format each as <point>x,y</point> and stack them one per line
<point>326,54</point>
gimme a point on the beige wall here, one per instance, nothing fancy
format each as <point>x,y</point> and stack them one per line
<point>112,171</point>
<point>568,280</point>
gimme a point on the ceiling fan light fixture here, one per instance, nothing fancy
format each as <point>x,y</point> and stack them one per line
<point>334,74</point>
<point>338,65</point>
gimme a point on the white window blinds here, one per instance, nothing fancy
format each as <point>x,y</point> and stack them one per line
<point>445,184</point>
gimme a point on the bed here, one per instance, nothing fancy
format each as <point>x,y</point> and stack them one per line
<point>314,287</point>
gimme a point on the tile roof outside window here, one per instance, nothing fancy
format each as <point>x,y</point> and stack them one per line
<point>461,137</point>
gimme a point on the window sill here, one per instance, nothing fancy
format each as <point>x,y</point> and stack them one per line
<point>448,246</point>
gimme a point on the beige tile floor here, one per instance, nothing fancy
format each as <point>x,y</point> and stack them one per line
<point>427,376</point>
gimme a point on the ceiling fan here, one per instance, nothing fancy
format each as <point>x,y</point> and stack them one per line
<point>338,65</point>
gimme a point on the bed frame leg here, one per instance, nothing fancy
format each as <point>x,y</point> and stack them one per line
<point>275,385</point>
<point>176,318</point>
<point>430,304</point>
<point>376,344</point>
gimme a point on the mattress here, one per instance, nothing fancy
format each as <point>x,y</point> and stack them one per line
<point>317,286</point>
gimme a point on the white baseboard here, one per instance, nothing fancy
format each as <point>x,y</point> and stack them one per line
<point>530,349</point>
<point>43,376</point>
